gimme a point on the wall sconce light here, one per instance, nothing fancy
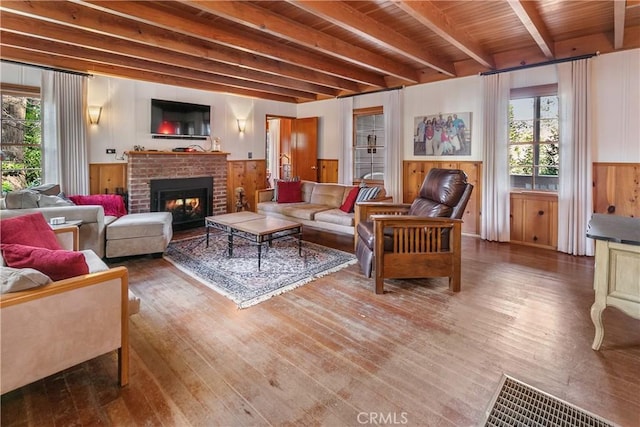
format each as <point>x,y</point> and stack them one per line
<point>242,124</point>
<point>94,114</point>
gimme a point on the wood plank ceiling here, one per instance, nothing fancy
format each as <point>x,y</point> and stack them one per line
<point>301,50</point>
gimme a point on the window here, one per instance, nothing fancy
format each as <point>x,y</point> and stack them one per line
<point>21,141</point>
<point>368,145</point>
<point>533,140</point>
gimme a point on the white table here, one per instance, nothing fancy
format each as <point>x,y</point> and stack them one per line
<point>617,268</point>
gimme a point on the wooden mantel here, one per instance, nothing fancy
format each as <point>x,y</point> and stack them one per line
<point>189,153</point>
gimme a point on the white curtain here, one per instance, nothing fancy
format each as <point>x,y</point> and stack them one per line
<point>274,149</point>
<point>64,131</point>
<point>392,109</point>
<point>575,197</point>
<point>495,175</point>
<point>345,160</point>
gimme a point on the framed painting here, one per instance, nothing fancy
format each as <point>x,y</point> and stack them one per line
<point>442,134</point>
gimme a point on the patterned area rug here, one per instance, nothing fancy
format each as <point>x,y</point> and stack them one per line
<point>238,278</point>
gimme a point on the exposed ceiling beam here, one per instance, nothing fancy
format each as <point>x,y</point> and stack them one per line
<point>345,16</point>
<point>619,11</point>
<point>97,56</point>
<point>431,17</point>
<point>268,22</point>
<point>48,30</point>
<point>532,21</point>
<point>66,63</point>
<point>149,13</point>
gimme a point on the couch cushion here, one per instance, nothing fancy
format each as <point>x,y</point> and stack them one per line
<point>289,191</point>
<point>329,194</point>
<point>20,279</point>
<point>335,216</point>
<point>367,193</point>
<point>350,202</point>
<point>49,201</point>
<point>306,211</point>
<point>31,229</point>
<point>22,199</point>
<point>57,264</point>
<point>139,225</point>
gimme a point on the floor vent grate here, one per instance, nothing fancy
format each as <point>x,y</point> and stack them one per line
<point>517,404</point>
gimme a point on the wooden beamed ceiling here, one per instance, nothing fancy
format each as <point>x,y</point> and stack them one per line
<point>305,50</point>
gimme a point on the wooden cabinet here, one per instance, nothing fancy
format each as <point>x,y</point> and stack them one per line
<point>534,219</point>
<point>414,172</point>
<point>106,178</point>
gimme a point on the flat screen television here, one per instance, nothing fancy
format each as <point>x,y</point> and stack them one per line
<point>180,120</point>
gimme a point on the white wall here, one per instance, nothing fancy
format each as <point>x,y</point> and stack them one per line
<point>126,114</point>
<point>126,111</point>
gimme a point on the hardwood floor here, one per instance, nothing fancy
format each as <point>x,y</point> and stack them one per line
<point>334,353</point>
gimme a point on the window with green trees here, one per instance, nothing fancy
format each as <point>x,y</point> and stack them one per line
<point>533,143</point>
<point>21,140</point>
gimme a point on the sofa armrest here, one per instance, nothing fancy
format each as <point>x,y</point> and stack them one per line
<point>78,319</point>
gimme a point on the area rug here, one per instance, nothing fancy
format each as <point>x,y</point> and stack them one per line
<point>238,278</point>
<point>519,404</point>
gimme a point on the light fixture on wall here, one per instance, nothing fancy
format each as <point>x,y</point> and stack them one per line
<point>94,114</point>
<point>242,124</point>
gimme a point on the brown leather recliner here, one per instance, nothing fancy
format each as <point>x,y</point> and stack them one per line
<point>421,239</point>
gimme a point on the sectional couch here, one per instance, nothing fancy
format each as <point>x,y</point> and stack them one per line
<point>106,235</point>
<point>319,206</point>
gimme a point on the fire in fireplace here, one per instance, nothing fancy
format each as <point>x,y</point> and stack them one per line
<point>188,199</point>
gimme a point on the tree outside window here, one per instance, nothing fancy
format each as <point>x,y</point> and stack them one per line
<point>533,143</point>
<point>368,145</point>
<point>21,141</point>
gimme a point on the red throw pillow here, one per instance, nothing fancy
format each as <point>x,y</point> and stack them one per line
<point>289,191</point>
<point>31,229</point>
<point>350,201</point>
<point>57,264</point>
<point>113,204</point>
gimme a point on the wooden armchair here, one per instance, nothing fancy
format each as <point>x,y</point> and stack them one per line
<point>51,328</point>
<point>422,239</point>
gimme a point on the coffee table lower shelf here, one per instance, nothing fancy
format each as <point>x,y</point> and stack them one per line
<point>256,228</point>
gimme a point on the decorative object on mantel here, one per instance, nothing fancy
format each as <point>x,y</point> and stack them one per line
<point>216,146</point>
<point>238,278</point>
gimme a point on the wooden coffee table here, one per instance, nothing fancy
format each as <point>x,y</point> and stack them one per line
<point>256,228</point>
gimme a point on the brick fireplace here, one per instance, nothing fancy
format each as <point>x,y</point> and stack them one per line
<point>145,166</point>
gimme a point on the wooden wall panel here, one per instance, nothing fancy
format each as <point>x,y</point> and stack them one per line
<point>328,170</point>
<point>414,172</point>
<point>107,177</point>
<point>248,174</point>
<point>616,188</point>
<point>534,219</point>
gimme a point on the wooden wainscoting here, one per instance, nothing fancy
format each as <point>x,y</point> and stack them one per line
<point>248,174</point>
<point>616,189</point>
<point>534,219</point>
<point>414,172</point>
<point>328,170</point>
<point>105,178</point>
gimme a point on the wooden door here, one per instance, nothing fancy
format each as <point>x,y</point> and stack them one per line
<point>304,148</point>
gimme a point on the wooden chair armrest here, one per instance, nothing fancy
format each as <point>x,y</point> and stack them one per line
<point>66,285</point>
<point>68,237</point>
<point>263,195</point>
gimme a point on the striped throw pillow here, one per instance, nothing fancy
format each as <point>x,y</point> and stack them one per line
<point>367,193</point>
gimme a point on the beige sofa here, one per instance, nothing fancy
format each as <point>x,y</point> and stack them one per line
<point>47,329</point>
<point>320,207</point>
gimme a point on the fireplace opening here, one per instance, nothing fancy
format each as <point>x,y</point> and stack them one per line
<point>188,199</point>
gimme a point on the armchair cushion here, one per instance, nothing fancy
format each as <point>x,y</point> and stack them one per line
<point>57,264</point>
<point>31,229</point>
<point>20,279</point>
